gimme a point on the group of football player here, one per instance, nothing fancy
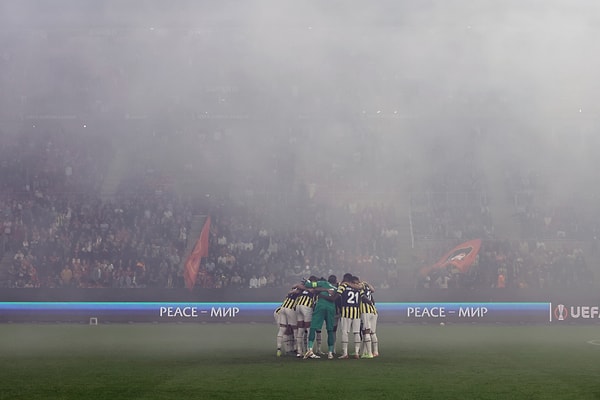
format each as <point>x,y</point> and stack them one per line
<point>347,306</point>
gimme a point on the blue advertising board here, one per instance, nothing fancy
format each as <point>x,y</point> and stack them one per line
<point>399,312</point>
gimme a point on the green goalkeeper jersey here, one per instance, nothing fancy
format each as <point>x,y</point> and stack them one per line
<point>321,284</point>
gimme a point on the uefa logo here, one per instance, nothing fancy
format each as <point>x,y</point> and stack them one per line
<point>560,312</point>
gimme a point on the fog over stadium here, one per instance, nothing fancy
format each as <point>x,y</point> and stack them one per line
<point>332,101</point>
<point>219,199</point>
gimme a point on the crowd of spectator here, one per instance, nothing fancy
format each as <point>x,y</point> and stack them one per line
<point>450,215</point>
<point>61,232</point>
<point>453,204</point>
<point>247,252</point>
<point>129,243</point>
<point>572,218</point>
<point>517,264</point>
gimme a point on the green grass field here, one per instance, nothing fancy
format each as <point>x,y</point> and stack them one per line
<point>237,361</point>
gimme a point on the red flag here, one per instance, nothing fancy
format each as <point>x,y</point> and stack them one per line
<point>192,265</point>
<point>461,257</point>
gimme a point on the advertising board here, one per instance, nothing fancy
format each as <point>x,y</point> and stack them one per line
<point>405,312</point>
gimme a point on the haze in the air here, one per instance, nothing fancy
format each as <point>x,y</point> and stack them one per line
<point>380,97</point>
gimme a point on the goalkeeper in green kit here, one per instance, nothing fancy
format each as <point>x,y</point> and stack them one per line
<point>324,311</point>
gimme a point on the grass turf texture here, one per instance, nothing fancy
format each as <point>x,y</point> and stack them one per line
<point>237,361</point>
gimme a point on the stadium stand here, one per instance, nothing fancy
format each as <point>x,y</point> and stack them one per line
<point>96,191</point>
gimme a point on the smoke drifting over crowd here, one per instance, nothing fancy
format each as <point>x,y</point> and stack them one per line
<point>320,98</point>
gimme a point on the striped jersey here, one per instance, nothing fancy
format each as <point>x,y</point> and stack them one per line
<point>290,300</point>
<point>350,299</point>
<point>305,298</point>
<point>366,307</point>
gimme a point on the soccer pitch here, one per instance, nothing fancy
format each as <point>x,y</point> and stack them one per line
<point>237,361</point>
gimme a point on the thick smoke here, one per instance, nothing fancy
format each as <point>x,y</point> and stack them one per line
<point>385,95</point>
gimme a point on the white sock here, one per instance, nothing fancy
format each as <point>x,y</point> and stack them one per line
<point>344,348</point>
<point>357,343</point>
<point>367,344</point>
<point>288,343</point>
<point>300,343</point>
<point>280,335</point>
<point>374,343</point>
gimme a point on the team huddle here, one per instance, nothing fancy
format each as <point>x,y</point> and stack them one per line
<point>319,302</point>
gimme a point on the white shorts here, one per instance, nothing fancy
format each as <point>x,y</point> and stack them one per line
<point>349,325</point>
<point>304,313</point>
<point>288,317</point>
<point>369,321</point>
<point>278,315</point>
